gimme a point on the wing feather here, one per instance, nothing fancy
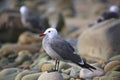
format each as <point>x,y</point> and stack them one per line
<point>65,50</point>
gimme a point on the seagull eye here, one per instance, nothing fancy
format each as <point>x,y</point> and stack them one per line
<point>49,31</point>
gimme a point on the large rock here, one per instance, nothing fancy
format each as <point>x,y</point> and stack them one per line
<point>11,27</point>
<point>50,76</point>
<point>100,42</point>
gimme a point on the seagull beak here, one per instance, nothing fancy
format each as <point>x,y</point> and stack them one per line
<point>42,34</point>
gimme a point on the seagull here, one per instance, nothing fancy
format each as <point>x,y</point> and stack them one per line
<point>113,12</point>
<point>31,20</point>
<point>59,49</point>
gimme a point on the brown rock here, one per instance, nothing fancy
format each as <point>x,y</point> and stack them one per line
<point>28,38</point>
<point>111,65</point>
<point>11,27</point>
<point>6,49</point>
<point>100,42</point>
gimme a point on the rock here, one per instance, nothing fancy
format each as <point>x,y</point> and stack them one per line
<point>64,65</point>
<point>33,76</point>
<point>26,64</point>
<point>50,76</point>
<point>66,71</point>
<point>9,73</point>
<point>109,66</point>
<point>100,42</point>
<point>8,48</point>
<point>74,73</point>
<point>66,7</point>
<point>87,74</point>
<point>116,68</point>
<point>38,62</point>
<point>112,75</point>
<point>11,26</point>
<point>72,79</point>
<point>23,73</point>
<point>46,66</point>
<point>28,38</point>
<point>3,61</point>
<point>65,76</point>
<point>115,58</point>
<point>23,56</point>
<point>96,78</point>
<point>10,76</point>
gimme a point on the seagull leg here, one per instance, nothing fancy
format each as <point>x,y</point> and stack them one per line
<point>58,62</point>
<point>55,67</point>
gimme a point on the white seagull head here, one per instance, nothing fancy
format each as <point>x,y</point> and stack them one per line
<point>114,8</point>
<point>23,10</point>
<point>50,32</point>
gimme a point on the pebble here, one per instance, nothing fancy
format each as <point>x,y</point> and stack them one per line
<point>9,73</point>
<point>66,76</point>
<point>50,76</point>
<point>23,73</point>
<point>115,58</point>
<point>46,66</point>
<point>33,76</point>
<point>111,65</point>
<point>74,72</point>
<point>87,74</point>
<point>23,56</point>
<point>111,75</point>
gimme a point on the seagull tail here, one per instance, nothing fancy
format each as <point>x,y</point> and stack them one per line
<point>87,66</point>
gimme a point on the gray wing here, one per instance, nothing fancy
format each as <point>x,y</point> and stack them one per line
<point>65,50</point>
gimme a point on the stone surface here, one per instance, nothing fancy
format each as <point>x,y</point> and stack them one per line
<point>74,73</point>
<point>22,74</point>
<point>64,65</point>
<point>87,74</point>
<point>11,26</point>
<point>116,68</point>
<point>9,73</point>
<point>46,66</point>
<point>112,75</point>
<point>50,76</point>
<point>100,42</point>
<point>33,76</point>
<point>66,76</point>
<point>28,38</point>
<point>23,56</point>
<point>115,58</point>
<point>111,65</point>
<point>8,48</point>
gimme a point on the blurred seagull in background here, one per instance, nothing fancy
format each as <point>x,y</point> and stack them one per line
<point>113,12</point>
<point>31,20</point>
